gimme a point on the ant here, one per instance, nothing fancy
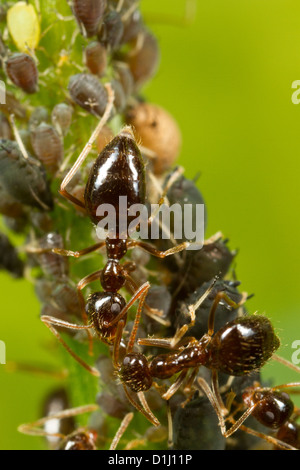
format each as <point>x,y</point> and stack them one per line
<point>241,346</point>
<point>272,407</point>
<point>117,171</point>
<point>81,439</point>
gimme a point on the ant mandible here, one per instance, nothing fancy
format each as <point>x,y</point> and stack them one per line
<point>117,171</point>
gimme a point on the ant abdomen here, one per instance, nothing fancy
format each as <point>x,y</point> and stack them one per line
<point>102,308</point>
<point>290,434</point>
<point>242,345</point>
<point>135,373</point>
<point>273,407</point>
<point>118,171</point>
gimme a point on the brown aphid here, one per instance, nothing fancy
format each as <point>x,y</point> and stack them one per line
<point>39,114</point>
<point>124,76</point>
<point>143,59</point>
<point>52,264</point>
<point>47,146</point>
<point>86,90</point>
<point>95,55</point>
<point>13,106</point>
<point>158,131</point>
<point>89,15</point>
<point>9,258</point>
<point>24,178</point>
<point>112,30</point>
<point>23,72</point>
<point>9,206</point>
<point>62,117</point>
<point>133,24</point>
<point>5,129</point>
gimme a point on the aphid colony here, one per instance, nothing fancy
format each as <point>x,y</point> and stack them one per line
<point>204,351</point>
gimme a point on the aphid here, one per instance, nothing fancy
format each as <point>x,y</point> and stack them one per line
<point>158,131</point>
<point>82,438</point>
<point>39,115</point>
<point>23,72</point>
<point>52,264</point>
<point>9,206</point>
<point>112,30</point>
<point>62,117</point>
<point>9,258</point>
<point>272,407</point>
<point>86,90</point>
<point>214,259</point>
<point>48,146</point>
<point>13,106</point>
<point>118,170</point>
<point>96,58</point>
<point>24,26</point>
<point>132,20</point>
<point>124,76</point>
<point>23,178</point>
<point>5,129</point>
<point>120,98</point>
<point>143,59</point>
<point>89,15</point>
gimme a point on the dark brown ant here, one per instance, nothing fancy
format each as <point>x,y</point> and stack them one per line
<point>271,407</point>
<point>81,439</point>
<point>118,171</point>
<point>238,348</point>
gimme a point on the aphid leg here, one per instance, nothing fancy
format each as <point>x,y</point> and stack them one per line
<point>51,322</point>
<point>87,149</point>
<point>170,427</point>
<point>123,426</point>
<point>34,429</point>
<point>81,285</point>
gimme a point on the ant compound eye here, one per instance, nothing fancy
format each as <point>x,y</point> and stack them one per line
<point>115,309</point>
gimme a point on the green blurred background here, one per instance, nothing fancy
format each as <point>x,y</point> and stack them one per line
<point>227,79</point>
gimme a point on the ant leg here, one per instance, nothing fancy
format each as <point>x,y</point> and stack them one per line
<point>151,312</point>
<point>137,295</point>
<point>117,343</point>
<point>63,252</point>
<point>78,254</point>
<point>173,342</point>
<point>286,363</point>
<point>204,387</point>
<point>33,429</point>
<point>87,149</point>
<point>272,440</point>
<point>148,414</point>
<point>50,322</point>
<point>175,386</point>
<point>153,251</point>
<point>216,392</point>
<point>222,296</point>
<point>137,320</point>
<point>81,284</point>
<point>123,426</point>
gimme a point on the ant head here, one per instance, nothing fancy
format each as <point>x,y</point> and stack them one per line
<point>102,308</point>
<point>273,407</point>
<point>134,372</point>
